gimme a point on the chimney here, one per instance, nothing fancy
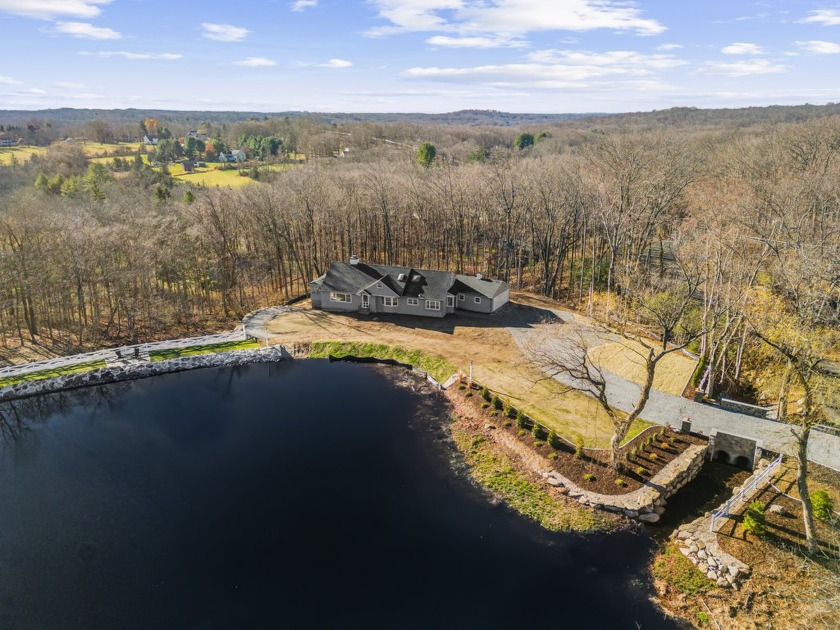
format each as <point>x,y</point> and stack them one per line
<point>354,260</point>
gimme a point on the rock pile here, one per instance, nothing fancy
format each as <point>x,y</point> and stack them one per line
<point>648,502</point>
<point>141,369</point>
<point>699,544</point>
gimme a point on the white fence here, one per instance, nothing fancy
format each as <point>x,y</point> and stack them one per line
<point>724,511</point>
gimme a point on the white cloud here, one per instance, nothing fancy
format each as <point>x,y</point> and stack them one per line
<point>86,31</point>
<point>819,47</point>
<point>742,48</point>
<point>475,42</point>
<point>84,97</point>
<point>8,81</point>
<point>743,68</point>
<point>826,17</point>
<point>302,5</point>
<point>51,9</point>
<point>667,47</point>
<point>33,92</point>
<point>67,85</point>
<point>337,64</point>
<point>224,32</point>
<point>255,62</point>
<point>107,54</point>
<point>510,18</point>
<point>557,69</point>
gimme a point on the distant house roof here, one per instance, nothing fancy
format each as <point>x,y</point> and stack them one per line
<point>189,167</point>
<point>481,286</point>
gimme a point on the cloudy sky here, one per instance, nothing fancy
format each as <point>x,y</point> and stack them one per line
<point>550,56</point>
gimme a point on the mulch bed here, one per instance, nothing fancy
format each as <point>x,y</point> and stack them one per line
<point>591,470</point>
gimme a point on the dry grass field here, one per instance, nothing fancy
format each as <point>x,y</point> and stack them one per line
<point>623,358</point>
<point>22,154</point>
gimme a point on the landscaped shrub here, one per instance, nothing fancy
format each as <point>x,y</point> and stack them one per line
<point>634,452</point>
<point>485,394</point>
<point>823,505</point>
<point>538,443</point>
<point>641,470</point>
<point>497,403</point>
<point>522,433</point>
<point>511,412</point>
<point>554,440</point>
<point>620,482</point>
<point>539,432</point>
<point>578,446</point>
<point>485,405</point>
<point>649,439</point>
<point>754,519</point>
<point>589,477</point>
<point>662,431</point>
<point>494,413</point>
<point>507,423</point>
<point>653,457</point>
<point>462,387</point>
<point>521,420</point>
<point>468,394</point>
<point>552,456</point>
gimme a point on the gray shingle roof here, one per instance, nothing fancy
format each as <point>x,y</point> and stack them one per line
<point>481,286</point>
<point>405,281</point>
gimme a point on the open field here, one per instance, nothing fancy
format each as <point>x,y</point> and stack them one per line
<point>483,340</point>
<point>624,359</point>
<point>99,149</point>
<point>191,351</point>
<point>21,153</point>
<point>42,374</point>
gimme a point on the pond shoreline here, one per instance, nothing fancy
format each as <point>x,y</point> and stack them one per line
<point>140,369</point>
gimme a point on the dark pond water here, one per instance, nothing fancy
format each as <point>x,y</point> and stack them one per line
<point>295,495</point>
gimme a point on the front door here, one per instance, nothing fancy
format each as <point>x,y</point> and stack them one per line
<point>365,301</point>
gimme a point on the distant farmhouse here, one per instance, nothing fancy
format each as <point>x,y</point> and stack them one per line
<point>192,133</point>
<point>235,155</point>
<point>6,142</point>
<point>356,287</point>
<point>150,140</point>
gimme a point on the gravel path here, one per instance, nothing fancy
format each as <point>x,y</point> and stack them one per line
<point>665,408</point>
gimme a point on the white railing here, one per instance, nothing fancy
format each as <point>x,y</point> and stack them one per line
<point>724,511</point>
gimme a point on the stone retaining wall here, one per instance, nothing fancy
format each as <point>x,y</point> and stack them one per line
<point>648,502</point>
<point>140,369</point>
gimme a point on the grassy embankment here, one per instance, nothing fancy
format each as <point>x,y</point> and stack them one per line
<point>437,366</point>
<point>62,371</point>
<point>190,351</point>
<point>494,470</point>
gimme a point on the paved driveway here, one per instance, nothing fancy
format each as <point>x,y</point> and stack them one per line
<point>665,408</point>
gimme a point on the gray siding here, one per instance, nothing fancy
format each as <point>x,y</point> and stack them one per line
<point>340,307</point>
<point>500,300</point>
<point>469,304</point>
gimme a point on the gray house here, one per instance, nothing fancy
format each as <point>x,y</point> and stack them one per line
<point>356,287</point>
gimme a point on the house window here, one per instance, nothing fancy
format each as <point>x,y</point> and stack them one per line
<point>390,301</point>
<point>340,297</point>
<point>450,300</point>
<point>432,305</point>
<point>460,297</point>
<point>477,300</point>
<point>413,301</point>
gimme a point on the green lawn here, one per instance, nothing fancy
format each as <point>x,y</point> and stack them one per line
<point>190,351</point>
<point>435,365</point>
<point>42,374</point>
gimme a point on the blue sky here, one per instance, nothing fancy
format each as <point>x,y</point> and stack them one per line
<point>550,56</point>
